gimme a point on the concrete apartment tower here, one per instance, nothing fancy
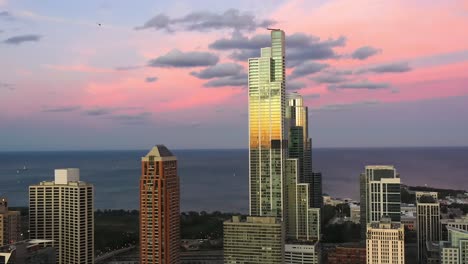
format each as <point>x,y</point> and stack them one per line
<point>385,242</point>
<point>63,211</point>
<point>10,224</point>
<point>253,240</point>
<point>159,208</point>
<point>380,195</point>
<point>428,221</point>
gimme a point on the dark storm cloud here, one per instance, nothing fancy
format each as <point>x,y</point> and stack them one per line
<point>113,112</point>
<point>365,52</point>
<point>329,78</point>
<point>314,50</point>
<point>360,85</point>
<point>151,79</point>
<point>237,80</point>
<point>239,41</point>
<point>16,40</point>
<point>179,59</point>
<point>8,86</point>
<point>397,67</point>
<point>244,55</point>
<point>300,47</point>
<point>219,70</point>
<point>307,68</point>
<point>131,119</point>
<point>311,96</point>
<point>64,109</point>
<point>300,40</point>
<point>100,111</point>
<point>206,20</point>
<point>6,15</point>
<point>158,22</point>
<point>295,85</point>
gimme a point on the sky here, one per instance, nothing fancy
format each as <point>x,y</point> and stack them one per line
<point>102,74</point>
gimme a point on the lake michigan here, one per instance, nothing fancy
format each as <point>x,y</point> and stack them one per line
<point>218,179</point>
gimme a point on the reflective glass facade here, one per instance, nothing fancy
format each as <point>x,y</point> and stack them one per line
<point>267,134</point>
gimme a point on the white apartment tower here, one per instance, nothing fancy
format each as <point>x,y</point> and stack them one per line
<point>385,242</point>
<point>62,210</point>
<point>380,195</point>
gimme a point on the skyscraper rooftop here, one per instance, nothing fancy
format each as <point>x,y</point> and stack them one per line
<point>159,152</point>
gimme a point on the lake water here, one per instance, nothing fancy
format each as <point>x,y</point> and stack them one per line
<point>218,179</point>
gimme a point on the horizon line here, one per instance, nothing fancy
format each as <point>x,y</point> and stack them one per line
<point>208,149</point>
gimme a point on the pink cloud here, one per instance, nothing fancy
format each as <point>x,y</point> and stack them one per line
<point>400,28</point>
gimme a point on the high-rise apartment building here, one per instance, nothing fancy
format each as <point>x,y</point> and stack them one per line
<point>297,115</point>
<point>380,195</point>
<point>255,240</point>
<point>159,208</point>
<point>455,250</point>
<point>428,221</point>
<point>10,224</point>
<point>385,242</point>
<point>267,128</point>
<point>63,211</point>
<point>300,147</point>
<point>302,221</point>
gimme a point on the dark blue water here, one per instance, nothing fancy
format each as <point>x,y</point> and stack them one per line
<point>207,176</point>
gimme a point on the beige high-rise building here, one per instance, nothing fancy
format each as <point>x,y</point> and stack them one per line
<point>428,221</point>
<point>380,195</point>
<point>63,211</point>
<point>255,240</point>
<point>385,242</point>
<point>10,224</point>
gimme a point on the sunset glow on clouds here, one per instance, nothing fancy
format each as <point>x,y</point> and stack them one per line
<point>174,72</point>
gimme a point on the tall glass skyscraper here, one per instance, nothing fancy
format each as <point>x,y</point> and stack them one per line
<point>267,129</point>
<point>279,166</point>
<point>300,147</point>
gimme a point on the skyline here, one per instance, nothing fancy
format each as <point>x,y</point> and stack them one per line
<point>366,84</point>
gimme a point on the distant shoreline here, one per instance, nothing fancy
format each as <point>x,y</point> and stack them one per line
<point>235,149</point>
